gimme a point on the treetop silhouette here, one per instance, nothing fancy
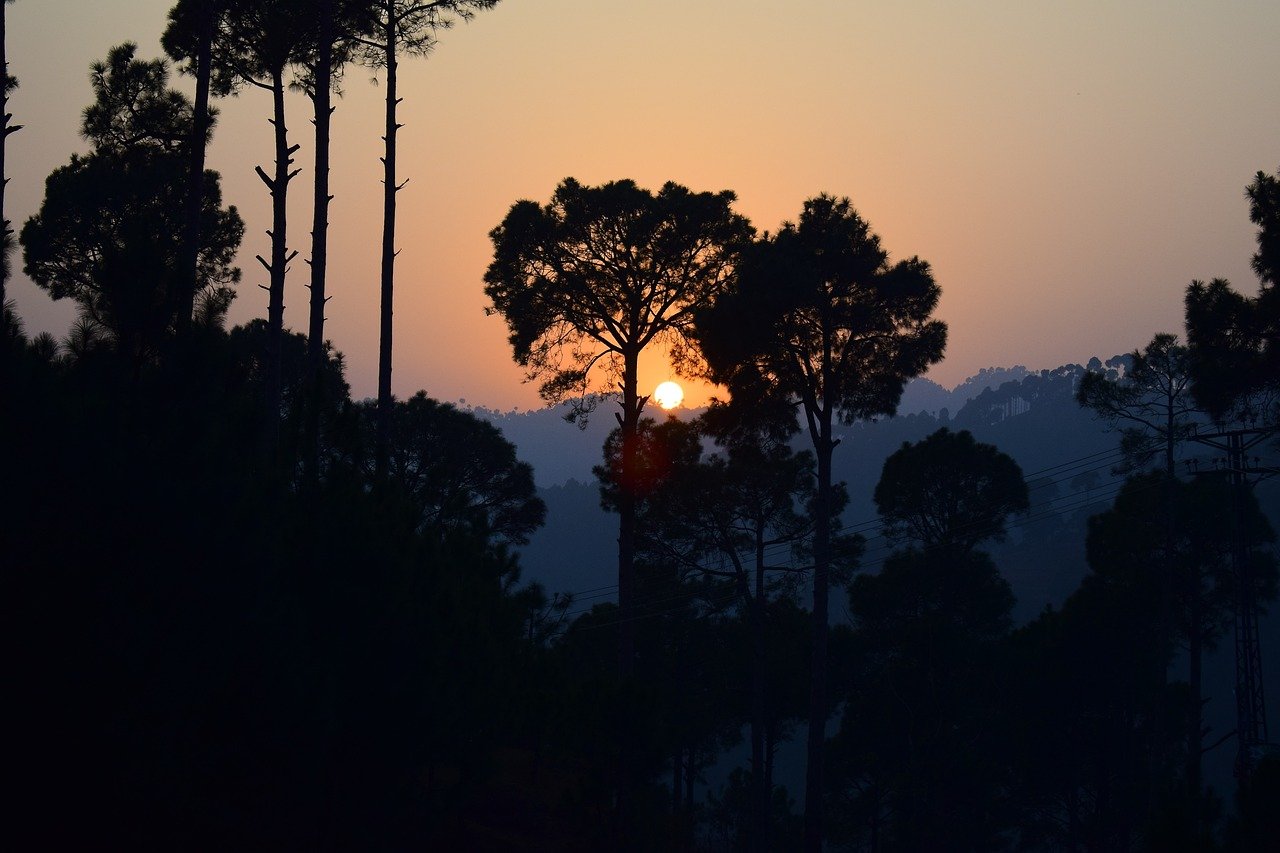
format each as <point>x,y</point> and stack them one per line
<point>1235,339</point>
<point>949,492</point>
<point>821,318</point>
<point>109,232</point>
<point>599,273</point>
<point>398,27</point>
<point>589,280</point>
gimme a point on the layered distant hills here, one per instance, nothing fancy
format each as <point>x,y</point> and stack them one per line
<point>1067,455</point>
<point>1065,452</point>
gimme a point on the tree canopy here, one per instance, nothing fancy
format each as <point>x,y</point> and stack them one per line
<point>599,273</point>
<point>108,233</point>
<point>1148,395</point>
<point>1235,339</point>
<point>949,492</point>
<point>461,472</point>
<point>822,317</point>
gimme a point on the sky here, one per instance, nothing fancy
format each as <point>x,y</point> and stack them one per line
<point>1066,168</point>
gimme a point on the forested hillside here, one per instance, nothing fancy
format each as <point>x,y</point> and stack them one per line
<point>839,608</point>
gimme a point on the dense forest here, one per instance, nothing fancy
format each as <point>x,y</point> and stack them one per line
<point>244,609</point>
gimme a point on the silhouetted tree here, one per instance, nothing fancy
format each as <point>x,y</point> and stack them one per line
<point>822,318</point>
<point>593,278</point>
<point>339,429</point>
<point>190,35</point>
<point>1080,708</point>
<point>255,43</point>
<point>722,520</point>
<point>337,24</point>
<point>1129,546</point>
<point>919,766</point>
<point>949,493</point>
<point>108,234</point>
<point>461,473</point>
<point>1148,397</point>
<point>400,27</point>
<point>917,763</point>
<point>1264,211</point>
<point>1233,339</point>
<point>7,84</point>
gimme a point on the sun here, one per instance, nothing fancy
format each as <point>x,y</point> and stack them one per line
<point>668,395</point>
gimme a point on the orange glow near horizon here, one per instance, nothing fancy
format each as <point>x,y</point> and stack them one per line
<point>1066,170</point>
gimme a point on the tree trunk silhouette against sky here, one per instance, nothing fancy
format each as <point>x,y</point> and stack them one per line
<point>207,12</point>
<point>6,83</point>
<point>322,102</point>
<point>822,319</point>
<point>591,279</point>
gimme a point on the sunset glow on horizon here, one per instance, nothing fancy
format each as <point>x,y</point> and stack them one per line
<point>1066,171</point>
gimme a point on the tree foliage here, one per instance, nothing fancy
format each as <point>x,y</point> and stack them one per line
<point>1147,394</point>
<point>1127,546</point>
<point>108,234</point>
<point>1235,339</point>
<point>410,27</point>
<point>917,762</point>
<point>599,273</point>
<point>949,492</point>
<point>821,318</point>
<point>593,278</point>
<point>461,473</point>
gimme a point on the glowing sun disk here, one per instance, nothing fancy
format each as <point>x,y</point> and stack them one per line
<point>668,395</point>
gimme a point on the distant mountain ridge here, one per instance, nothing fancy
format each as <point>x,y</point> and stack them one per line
<point>559,451</point>
<point>1031,415</point>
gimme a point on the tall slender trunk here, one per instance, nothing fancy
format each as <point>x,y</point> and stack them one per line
<point>322,101</point>
<point>5,130</point>
<point>389,190</point>
<point>630,423</point>
<point>770,747</point>
<point>760,838</point>
<point>814,777</point>
<point>627,514</point>
<point>1165,591</point>
<point>1195,719</point>
<point>280,254</point>
<point>186,279</point>
<point>677,780</point>
<point>690,776</point>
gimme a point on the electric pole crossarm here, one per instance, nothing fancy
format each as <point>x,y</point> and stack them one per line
<point>1251,710</point>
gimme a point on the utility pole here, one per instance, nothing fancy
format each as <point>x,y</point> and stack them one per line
<point>1251,709</point>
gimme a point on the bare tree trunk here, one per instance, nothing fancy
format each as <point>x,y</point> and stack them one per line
<point>322,101</point>
<point>389,190</point>
<point>186,280</point>
<point>280,255</point>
